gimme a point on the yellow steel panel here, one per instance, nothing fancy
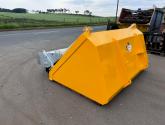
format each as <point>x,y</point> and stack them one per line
<point>141,27</point>
<point>98,65</point>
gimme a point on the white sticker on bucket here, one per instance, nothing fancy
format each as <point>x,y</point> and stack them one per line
<point>129,47</point>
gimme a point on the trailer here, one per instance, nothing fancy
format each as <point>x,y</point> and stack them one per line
<point>150,22</point>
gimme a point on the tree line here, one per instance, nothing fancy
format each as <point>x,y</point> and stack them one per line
<point>64,10</point>
<point>16,10</point>
<point>61,10</point>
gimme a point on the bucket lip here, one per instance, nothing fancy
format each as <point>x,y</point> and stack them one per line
<point>104,37</point>
<point>116,31</point>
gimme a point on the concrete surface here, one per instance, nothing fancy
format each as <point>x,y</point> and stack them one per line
<point>27,97</point>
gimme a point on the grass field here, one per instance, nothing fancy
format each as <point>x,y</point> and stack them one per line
<point>22,20</point>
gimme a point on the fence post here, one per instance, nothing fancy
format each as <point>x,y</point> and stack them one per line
<point>90,19</point>
<point>77,20</point>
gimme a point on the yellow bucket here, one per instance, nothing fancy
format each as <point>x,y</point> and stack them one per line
<point>98,65</point>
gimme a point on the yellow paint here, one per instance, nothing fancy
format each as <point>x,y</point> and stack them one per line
<point>141,27</point>
<point>98,65</point>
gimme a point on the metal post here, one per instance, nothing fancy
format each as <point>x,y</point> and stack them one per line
<point>117,10</point>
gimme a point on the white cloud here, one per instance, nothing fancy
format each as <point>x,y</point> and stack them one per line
<point>98,7</point>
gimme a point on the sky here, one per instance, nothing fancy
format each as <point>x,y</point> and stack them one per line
<point>97,7</point>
